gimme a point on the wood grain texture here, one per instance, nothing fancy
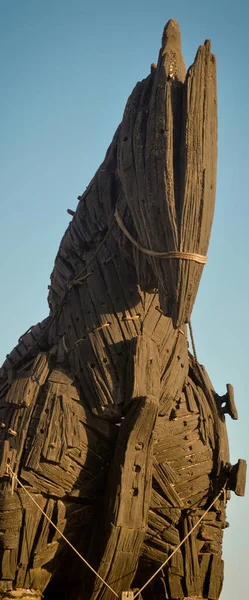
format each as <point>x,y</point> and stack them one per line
<point>106,418</point>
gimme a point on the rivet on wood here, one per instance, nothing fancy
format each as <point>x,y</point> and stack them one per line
<point>127,595</point>
<point>159,310</point>
<point>101,327</point>
<point>139,446</point>
<point>134,492</point>
<point>64,345</point>
<point>131,318</point>
<point>12,432</point>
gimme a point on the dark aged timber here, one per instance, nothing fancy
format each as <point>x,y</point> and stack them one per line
<point>107,420</point>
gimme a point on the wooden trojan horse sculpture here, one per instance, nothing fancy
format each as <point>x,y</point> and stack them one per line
<point>110,428</point>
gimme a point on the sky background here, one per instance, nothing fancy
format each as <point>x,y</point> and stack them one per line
<point>67,69</point>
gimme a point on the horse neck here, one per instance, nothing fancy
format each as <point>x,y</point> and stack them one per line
<point>88,227</point>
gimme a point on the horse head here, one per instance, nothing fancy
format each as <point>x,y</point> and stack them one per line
<point>159,178</point>
<point>167,166</point>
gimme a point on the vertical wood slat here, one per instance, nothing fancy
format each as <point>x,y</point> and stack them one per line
<point>128,497</point>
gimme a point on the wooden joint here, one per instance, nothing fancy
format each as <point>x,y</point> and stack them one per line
<point>237,477</point>
<point>227,403</point>
<point>12,432</point>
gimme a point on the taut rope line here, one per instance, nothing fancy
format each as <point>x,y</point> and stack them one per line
<point>199,258</point>
<point>181,543</point>
<point>15,478</point>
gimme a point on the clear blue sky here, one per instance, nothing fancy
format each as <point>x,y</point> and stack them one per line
<point>67,68</point>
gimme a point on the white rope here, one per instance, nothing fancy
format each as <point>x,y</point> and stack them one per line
<point>199,258</point>
<point>15,478</point>
<point>181,543</point>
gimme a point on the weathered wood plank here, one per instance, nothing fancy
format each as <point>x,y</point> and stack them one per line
<point>129,495</point>
<point>143,370</point>
<point>24,390</point>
